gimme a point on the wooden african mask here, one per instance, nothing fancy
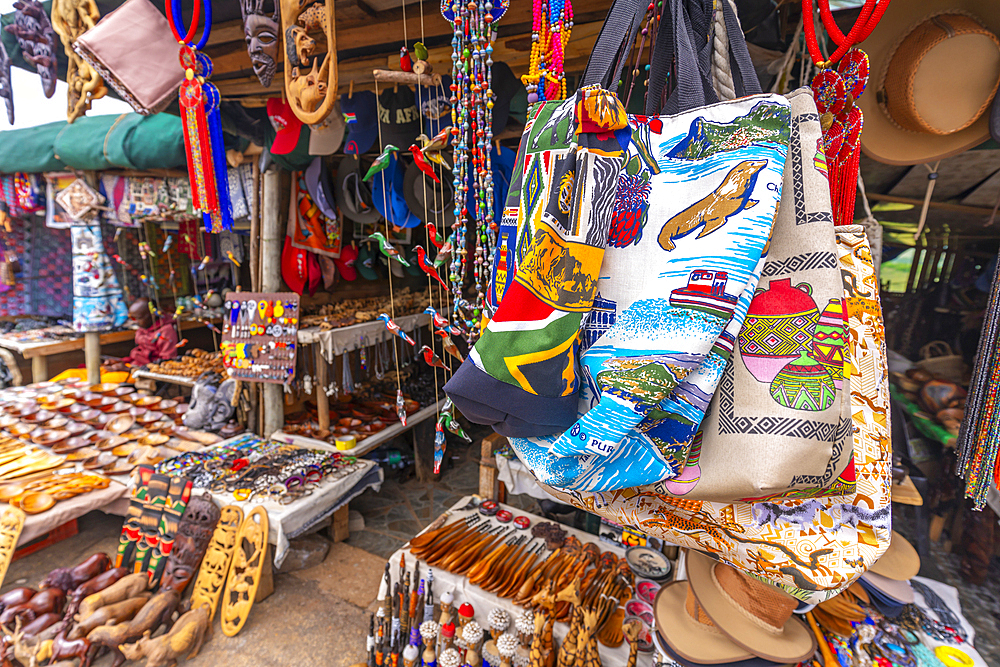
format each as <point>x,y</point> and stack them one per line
<point>6,92</point>
<point>70,19</point>
<point>191,542</point>
<point>11,523</point>
<point>37,40</point>
<point>310,77</point>
<point>244,574</point>
<point>262,35</point>
<point>215,565</point>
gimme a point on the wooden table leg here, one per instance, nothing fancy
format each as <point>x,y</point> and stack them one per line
<point>322,400</point>
<point>92,354</point>
<point>39,369</point>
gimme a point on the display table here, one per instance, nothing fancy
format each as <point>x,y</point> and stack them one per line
<point>181,380</point>
<point>36,525</point>
<point>484,602</point>
<point>39,351</point>
<point>289,521</point>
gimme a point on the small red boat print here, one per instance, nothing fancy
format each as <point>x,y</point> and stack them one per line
<point>706,291</point>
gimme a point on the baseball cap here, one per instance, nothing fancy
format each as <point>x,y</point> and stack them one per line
<point>286,124</point>
<point>293,267</point>
<point>399,117</point>
<point>435,106</point>
<point>345,263</point>
<point>325,138</point>
<point>366,263</point>
<point>317,178</point>
<point>505,87</point>
<point>399,214</point>
<point>361,118</point>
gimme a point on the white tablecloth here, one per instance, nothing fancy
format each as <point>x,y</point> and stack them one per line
<point>36,525</point>
<point>484,602</point>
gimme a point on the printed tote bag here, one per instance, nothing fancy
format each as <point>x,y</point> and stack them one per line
<point>813,548</point>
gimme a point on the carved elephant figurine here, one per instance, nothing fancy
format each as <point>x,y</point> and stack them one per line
<point>68,578</point>
<point>186,637</point>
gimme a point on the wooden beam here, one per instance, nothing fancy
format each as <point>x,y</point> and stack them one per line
<point>940,205</point>
<point>366,8</point>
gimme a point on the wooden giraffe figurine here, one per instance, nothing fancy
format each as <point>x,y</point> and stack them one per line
<point>632,631</point>
<point>567,651</point>
<point>542,653</point>
<point>586,651</point>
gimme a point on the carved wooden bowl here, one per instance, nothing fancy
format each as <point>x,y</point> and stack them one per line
<point>148,401</point>
<point>121,423</point>
<point>105,388</point>
<point>51,438</point>
<point>36,503</point>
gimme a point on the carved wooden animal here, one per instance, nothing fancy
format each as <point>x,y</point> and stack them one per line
<point>186,637</point>
<point>15,596</point>
<point>61,648</point>
<point>586,651</point>
<point>730,198</point>
<point>110,614</point>
<point>49,600</point>
<point>127,587</point>
<point>68,578</point>
<point>154,613</point>
<point>22,643</point>
<point>91,586</point>
<point>566,657</point>
<point>542,653</point>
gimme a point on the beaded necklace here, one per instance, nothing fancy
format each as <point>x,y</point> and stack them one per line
<point>200,101</point>
<point>840,82</point>
<point>552,23</point>
<point>472,118</point>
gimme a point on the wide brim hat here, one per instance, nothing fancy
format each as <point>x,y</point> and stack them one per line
<point>689,639</point>
<point>900,561</point>
<point>440,197</point>
<point>951,84</point>
<point>353,195</point>
<point>900,591</point>
<point>791,642</point>
<point>325,138</point>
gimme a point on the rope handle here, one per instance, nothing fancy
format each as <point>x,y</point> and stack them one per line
<point>936,348</point>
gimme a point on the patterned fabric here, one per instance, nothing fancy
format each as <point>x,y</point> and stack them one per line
<point>550,247</point>
<point>673,289</point>
<point>811,548</point>
<point>98,302</point>
<point>44,284</point>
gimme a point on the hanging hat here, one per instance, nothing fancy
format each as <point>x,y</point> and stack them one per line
<point>294,267</point>
<point>435,106</point>
<point>756,616</point>
<point>354,195</point>
<point>440,197</point>
<point>361,118</point>
<point>286,124</point>
<point>328,270</point>
<point>399,117</point>
<point>367,263</point>
<point>346,262</point>
<point>387,191</point>
<point>505,86</point>
<point>900,561</point>
<point>685,628</point>
<point>326,137</point>
<point>935,68</point>
<point>317,178</point>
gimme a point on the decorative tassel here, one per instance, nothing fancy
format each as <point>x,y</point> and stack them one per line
<point>197,140</point>
<point>212,102</point>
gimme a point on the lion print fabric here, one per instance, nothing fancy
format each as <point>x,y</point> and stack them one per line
<point>813,548</point>
<point>693,212</point>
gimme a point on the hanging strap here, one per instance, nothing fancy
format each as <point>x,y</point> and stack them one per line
<point>748,81</point>
<point>614,43</point>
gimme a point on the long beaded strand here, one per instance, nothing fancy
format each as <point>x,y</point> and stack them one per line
<point>552,23</point>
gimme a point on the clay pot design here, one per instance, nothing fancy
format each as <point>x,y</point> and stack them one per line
<point>685,482</point>
<point>830,338</point>
<point>779,325</point>
<point>804,384</point>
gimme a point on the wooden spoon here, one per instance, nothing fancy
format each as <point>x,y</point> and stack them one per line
<point>503,572</point>
<point>504,553</point>
<point>446,541</point>
<point>461,561</point>
<point>521,573</point>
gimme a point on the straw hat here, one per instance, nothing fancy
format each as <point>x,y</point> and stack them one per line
<point>935,66</point>
<point>900,562</point>
<point>754,615</point>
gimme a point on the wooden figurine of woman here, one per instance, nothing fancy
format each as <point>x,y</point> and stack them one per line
<point>429,633</point>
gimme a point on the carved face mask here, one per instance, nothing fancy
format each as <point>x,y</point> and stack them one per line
<point>181,565</point>
<point>261,33</point>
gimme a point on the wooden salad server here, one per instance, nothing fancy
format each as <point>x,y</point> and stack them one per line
<point>500,564</point>
<point>442,547</point>
<point>514,585</point>
<point>454,531</point>
<point>444,558</point>
<point>463,561</point>
<point>434,532</point>
<point>511,568</point>
<point>479,570</point>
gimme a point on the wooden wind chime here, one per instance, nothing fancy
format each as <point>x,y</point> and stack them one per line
<point>202,122</point>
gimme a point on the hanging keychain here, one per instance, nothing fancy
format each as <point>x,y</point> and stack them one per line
<point>379,371</point>
<point>348,380</point>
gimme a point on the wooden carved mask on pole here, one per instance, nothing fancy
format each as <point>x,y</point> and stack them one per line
<point>262,36</point>
<point>70,19</point>
<point>37,40</point>
<point>310,78</point>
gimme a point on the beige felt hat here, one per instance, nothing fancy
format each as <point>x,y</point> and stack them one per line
<point>755,616</point>
<point>897,590</point>
<point>935,67</point>
<point>684,625</point>
<point>900,561</point>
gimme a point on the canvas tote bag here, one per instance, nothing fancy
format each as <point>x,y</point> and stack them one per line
<point>694,208</point>
<point>812,548</point>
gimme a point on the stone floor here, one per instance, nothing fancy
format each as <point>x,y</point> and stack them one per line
<point>318,617</point>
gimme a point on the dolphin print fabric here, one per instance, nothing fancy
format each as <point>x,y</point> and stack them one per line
<point>813,548</point>
<point>693,213</point>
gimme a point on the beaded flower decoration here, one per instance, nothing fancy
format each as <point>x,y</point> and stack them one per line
<point>202,123</point>
<point>472,101</point>
<point>552,23</point>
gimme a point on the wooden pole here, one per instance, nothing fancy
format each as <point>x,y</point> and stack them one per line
<point>255,230</point>
<point>270,281</point>
<point>322,400</point>
<point>92,354</point>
